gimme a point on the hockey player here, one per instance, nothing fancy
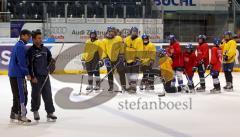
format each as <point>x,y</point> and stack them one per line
<point>202,61</point>
<point>91,60</point>
<point>189,63</point>
<point>40,61</point>
<point>133,55</point>
<point>166,70</point>
<point>17,71</point>
<point>229,48</point>
<point>215,65</point>
<point>148,58</point>
<point>174,51</point>
<point>113,54</point>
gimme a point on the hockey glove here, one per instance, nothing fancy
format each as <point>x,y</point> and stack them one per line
<point>84,64</point>
<point>34,80</point>
<point>137,62</point>
<point>52,66</point>
<point>209,67</point>
<point>225,58</point>
<point>121,58</point>
<point>201,62</point>
<point>107,62</point>
<point>194,69</point>
<point>100,63</point>
<point>151,63</point>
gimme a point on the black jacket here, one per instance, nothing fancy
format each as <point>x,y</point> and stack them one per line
<point>39,60</point>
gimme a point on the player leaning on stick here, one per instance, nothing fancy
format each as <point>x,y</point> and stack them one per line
<point>91,60</point>
<point>202,61</point>
<point>17,71</point>
<point>133,55</point>
<point>39,58</point>
<point>189,57</point>
<point>148,59</point>
<point>229,48</point>
<point>113,54</point>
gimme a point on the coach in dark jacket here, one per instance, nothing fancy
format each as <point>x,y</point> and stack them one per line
<point>39,58</point>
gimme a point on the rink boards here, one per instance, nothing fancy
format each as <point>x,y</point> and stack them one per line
<point>69,62</point>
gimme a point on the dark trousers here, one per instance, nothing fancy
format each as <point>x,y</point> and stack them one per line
<point>201,74</point>
<point>46,95</point>
<point>121,72</point>
<point>132,70</point>
<point>93,68</point>
<point>228,68</point>
<point>148,75</point>
<point>15,92</point>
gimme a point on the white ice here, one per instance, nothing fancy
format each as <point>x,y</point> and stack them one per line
<point>210,116</point>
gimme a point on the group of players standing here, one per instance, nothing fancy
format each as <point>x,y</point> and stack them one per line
<point>135,54</point>
<point>128,56</point>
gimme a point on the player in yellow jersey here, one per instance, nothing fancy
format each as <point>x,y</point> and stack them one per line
<point>133,54</point>
<point>229,48</point>
<point>91,60</point>
<point>166,70</point>
<point>148,58</point>
<point>113,56</point>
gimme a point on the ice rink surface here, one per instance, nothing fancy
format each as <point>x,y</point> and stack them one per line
<point>210,115</point>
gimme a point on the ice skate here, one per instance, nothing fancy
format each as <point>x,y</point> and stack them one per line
<point>23,120</point>
<point>228,87</point>
<point>179,88</point>
<point>150,87</point>
<point>132,90</point>
<point>51,117</point>
<point>201,89</point>
<point>13,117</point>
<point>110,90</point>
<point>89,87</point>
<point>215,91</point>
<point>141,87</point>
<point>185,89</point>
<point>36,116</point>
<point>96,87</point>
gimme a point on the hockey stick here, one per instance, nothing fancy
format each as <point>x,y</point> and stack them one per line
<point>80,92</point>
<point>162,80</point>
<point>51,63</point>
<point>188,80</point>
<point>200,82</point>
<point>81,82</point>
<point>114,68</point>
